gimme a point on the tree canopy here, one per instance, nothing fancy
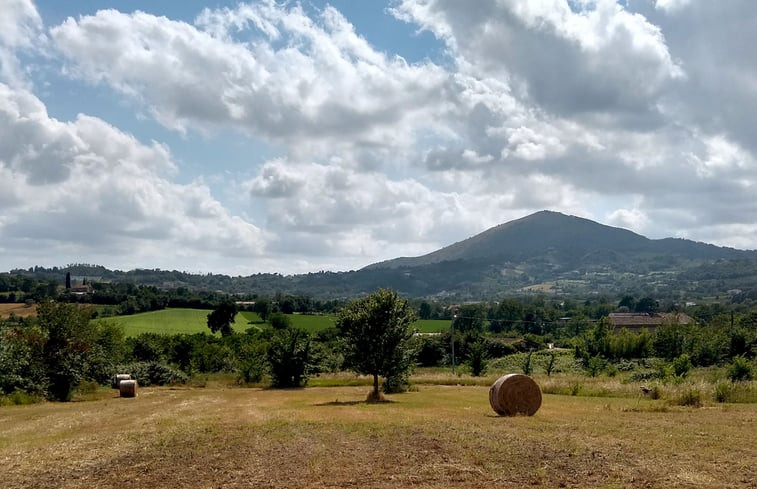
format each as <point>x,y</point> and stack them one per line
<point>375,331</point>
<point>222,317</point>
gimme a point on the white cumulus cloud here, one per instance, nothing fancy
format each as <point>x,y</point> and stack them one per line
<point>84,188</point>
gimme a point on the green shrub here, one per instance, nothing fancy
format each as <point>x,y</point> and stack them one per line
<point>690,397</point>
<point>477,359</point>
<point>723,392</point>
<point>626,366</point>
<point>289,357</point>
<point>151,373</point>
<point>213,356</point>
<point>20,398</point>
<point>21,361</point>
<point>431,350</point>
<point>87,387</point>
<point>740,369</point>
<point>395,384</point>
<point>147,347</point>
<point>662,369</point>
<point>611,370</point>
<point>681,365</point>
<point>279,321</point>
<point>595,366</point>
<point>252,362</point>
<point>496,348</point>
<point>325,358</point>
<point>744,392</point>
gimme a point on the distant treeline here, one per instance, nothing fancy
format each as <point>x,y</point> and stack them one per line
<point>128,298</point>
<point>50,355</point>
<point>665,278</point>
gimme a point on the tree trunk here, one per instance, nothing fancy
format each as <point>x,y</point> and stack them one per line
<point>375,386</point>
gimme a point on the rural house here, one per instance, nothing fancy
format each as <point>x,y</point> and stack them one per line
<point>636,321</point>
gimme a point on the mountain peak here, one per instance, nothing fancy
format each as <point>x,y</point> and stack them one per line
<point>563,237</point>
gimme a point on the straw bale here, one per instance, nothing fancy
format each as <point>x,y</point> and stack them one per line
<point>514,394</point>
<point>118,378</point>
<point>128,388</point>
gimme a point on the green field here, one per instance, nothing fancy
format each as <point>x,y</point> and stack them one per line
<point>171,321</point>
<point>176,321</point>
<point>432,325</point>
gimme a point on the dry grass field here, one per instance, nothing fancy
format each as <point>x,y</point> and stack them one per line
<point>19,310</point>
<point>325,437</point>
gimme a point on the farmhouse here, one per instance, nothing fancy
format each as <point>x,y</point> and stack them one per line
<point>636,321</point>
<point>81,289</point>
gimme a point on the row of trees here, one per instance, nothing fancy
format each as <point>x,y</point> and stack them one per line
<point>63,347</point>
<point>53,354</point>
<point>373,336</point>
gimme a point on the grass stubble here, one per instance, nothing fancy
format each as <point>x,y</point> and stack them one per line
<point>324,437</point>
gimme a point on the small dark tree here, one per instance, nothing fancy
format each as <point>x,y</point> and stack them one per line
<point>647,304</point>
<point>627,302</point>
<point>68,280</point>
<point>264,308</point>
<point>477,358</point>
<point>375,332</point>
<point>280,321</point>
<point>222,317</point>
<point>424,311</point>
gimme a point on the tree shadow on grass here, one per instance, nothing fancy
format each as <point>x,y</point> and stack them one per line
<point>352,403</point>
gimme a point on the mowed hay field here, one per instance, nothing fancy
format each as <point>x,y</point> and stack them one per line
<point>437,437</point>
<point>19,310</point>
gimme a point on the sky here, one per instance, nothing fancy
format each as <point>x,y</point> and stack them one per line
<point>294,137</point>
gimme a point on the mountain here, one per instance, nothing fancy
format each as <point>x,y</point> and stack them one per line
<point>544,253</point>
<point>549,252</point>
<point>567,239</point>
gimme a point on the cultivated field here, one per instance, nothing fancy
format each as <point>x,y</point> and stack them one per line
<point>437,437</point>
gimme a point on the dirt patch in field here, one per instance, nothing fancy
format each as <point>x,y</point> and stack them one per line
<point>18,310</point>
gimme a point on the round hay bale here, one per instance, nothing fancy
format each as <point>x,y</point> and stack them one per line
<point>118,378</point>
<point>514,394</point>
<point>128,388</point>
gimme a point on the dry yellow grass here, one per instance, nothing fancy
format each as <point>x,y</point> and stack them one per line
<point>437,437</point>
<point>19,310</point>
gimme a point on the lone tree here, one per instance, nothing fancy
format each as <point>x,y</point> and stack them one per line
<point>375,331</point>
<point>222,317</point>
<point>67,352</point>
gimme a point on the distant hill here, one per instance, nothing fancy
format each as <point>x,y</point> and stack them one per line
<point>567,240</point>
<point>544,253</point>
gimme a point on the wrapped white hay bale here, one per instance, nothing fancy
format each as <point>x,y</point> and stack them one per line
<point>118,378</point>
<point>514,394</point>
<point>128,388</point>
